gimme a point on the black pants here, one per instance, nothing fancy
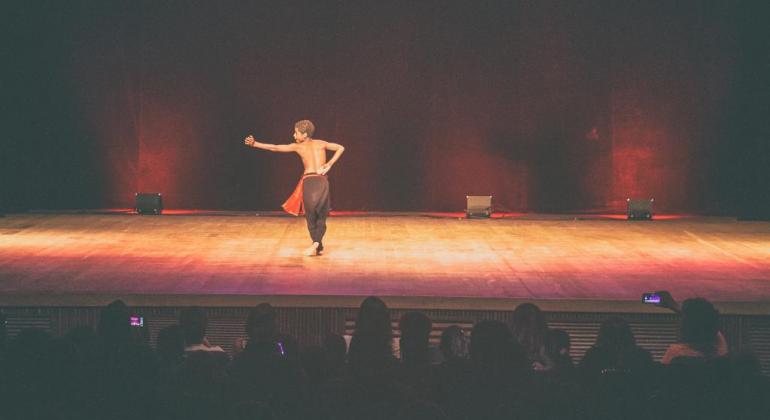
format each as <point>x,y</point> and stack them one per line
<point>315,199</point>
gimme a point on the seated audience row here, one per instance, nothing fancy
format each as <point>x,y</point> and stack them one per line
<point>521,371</point>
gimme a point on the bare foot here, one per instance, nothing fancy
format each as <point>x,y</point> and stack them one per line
<point>312,250</point>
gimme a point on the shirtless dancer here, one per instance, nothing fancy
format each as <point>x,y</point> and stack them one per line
<point>312,191</point>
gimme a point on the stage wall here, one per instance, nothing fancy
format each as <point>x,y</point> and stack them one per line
<point>548,106</point>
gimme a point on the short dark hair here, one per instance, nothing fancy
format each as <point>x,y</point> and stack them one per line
<point>415,324</point>
<point>615,334</point>
<point>194,322</point>
<point>453,342</point>
<point>260,323</point>
<point>415,333</point>
<point>494,349</point>
<point>170,343</point>
<point>699,325</point>
<point>114,323</point>
<point>305,126</point>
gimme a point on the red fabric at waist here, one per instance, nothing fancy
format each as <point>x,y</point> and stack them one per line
<point>293,204</point>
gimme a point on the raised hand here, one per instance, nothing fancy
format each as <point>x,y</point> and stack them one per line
<point>249,141</point>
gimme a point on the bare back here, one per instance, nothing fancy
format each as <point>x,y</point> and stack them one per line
<point>313,154</point>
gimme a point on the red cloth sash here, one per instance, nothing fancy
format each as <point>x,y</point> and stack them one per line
<point>294,205</point>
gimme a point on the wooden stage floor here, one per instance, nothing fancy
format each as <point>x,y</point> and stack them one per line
<point>67,259</point>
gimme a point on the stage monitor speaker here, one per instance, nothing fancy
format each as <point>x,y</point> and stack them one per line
<point>478,206</point>
<point>149,203</point>
<point>639,209</point>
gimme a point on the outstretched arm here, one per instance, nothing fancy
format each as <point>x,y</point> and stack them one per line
<point>667,301</point>
<point>338,149</point>
<point>249,141</point>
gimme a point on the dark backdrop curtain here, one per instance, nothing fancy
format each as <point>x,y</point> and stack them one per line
<point>547,105</point>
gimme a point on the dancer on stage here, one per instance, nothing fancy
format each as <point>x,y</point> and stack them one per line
<point>312,192</point>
